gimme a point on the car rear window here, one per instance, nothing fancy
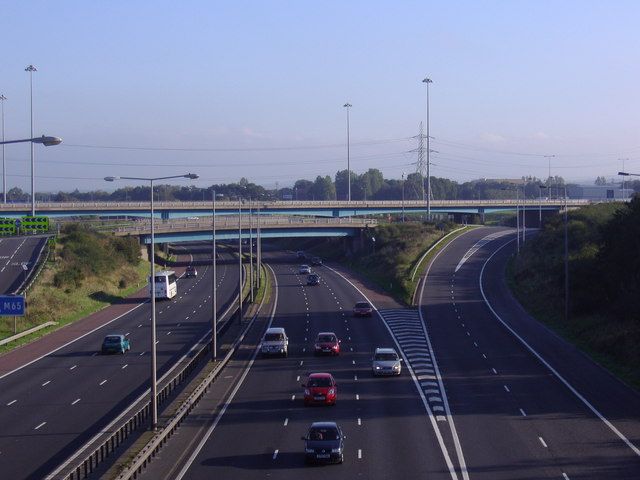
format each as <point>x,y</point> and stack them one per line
<point>386,357</point>
<point>273,337</point>
<point>319,382</point>
<point>112,339</point>
<point>326,338</point>
<point>323,434</point>
<point>362,305</point>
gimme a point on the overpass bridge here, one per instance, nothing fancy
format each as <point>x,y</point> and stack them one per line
<point>180,230</point>
<point>335,209</point>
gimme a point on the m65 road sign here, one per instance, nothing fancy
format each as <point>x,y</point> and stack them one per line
<point>11,306</point>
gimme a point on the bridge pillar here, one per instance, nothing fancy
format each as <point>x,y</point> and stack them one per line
<point>164,215</point>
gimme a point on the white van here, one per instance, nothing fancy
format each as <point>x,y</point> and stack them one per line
<point>275,342</point>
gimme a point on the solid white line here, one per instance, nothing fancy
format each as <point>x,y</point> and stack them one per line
<point>11,402</point>
<point>70,342</point>
<point>41,425</point>
<point>443,448</point>
<point>75,401</point>
<point>205,438</point>
<point>275,454</point>
<point>543,442</point>
<point>595,411</point>
<point>522,413</point>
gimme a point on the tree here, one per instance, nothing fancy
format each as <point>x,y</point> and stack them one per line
<point>303,189</point>
<point>324,189</point>
<point>600,181</point>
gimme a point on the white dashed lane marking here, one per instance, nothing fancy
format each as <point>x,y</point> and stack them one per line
<point>11,403</point>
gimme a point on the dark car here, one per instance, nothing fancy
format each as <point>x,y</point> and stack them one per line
<point>313,279</point>
<point>362,309</point>
<point>327,343</point>
<point>301,255</point>
<point>115,344</point>
<point>191,271</point>
<point>324,443</point>
<point>316,262</point>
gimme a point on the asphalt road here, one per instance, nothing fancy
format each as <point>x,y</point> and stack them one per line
<point>14,251</point>
<point>51,407</point>
<point>389,434</point>
<point>516,418</point>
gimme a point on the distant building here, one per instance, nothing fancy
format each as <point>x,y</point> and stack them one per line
<point>598,192</point>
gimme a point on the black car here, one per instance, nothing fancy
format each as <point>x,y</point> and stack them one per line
<point>191,271</point>
<point>316,262</point>
<point>324,443</point>
<point>313,279</point>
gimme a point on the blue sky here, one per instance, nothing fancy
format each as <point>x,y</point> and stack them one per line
<point>513,80</point>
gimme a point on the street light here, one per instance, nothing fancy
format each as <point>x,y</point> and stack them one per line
<point>348,106</point>
<point>427,81</point>
<point>541,187</point>
<point>402,197</point>
<point>4,171</point>
<point>152,292</point>
<point>31,69</point>
<point>517,216</point>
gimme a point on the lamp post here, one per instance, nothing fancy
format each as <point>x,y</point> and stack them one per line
<point>31,69</point>
<point>625,174</point>
<point>427,81</point>
<point>566,258</point>
<point>214,293</point>
<point>152,293</point>
<point>517,218</point>
<point>240,260</point>
<point>348,106</point>
<point>402,197</point>
<point>45,140</point>
<point>540,187</point>
<point>4,170</point>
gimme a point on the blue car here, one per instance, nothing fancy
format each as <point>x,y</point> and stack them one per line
<point>324,443</point>
<point>115,344</point>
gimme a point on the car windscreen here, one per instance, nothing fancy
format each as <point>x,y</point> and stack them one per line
<point>319,382</point>
<point>326,338</point>
<point>112,339</point>
<point>323,434</point>
<point>273,337</point>
<point>362,305</point>
<point>386,357</point>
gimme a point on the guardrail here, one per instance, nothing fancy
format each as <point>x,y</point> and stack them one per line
<point>84,467</point>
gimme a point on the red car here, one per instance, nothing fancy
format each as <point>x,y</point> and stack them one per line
<point>362,309</point>
<point>320,389</point>
<point>327,343</point>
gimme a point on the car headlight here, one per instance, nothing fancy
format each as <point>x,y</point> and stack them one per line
<point>306,392</point>
<point>396,366</point>
<point>309,450</point>
<point>317,346</point>
<point>377,367</point>
<point>335,450</point>
<point>332,391</point>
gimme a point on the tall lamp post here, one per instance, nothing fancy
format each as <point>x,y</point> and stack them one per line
<point>348,106</point>
<point>4,170</point>
<point>214,293</point>
<point>540,187</point>
<point>31,69</point>
<point>402,197</point>
<point>427,81</point>
<point>566,258</point>
<point>47,141</point>
<point>152,291</point>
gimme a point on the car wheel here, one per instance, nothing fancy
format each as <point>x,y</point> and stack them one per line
<point>122,350</point>
<point>341,458</point>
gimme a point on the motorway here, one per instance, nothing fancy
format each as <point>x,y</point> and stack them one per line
<point>50,407</point>
<point>15,251</point>
<point>389,433</point>
<point>490,393</point>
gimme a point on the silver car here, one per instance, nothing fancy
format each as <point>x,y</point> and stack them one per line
<point>386,361</point>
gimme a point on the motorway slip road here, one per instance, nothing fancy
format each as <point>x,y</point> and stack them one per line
<point>527,404</point>
<point>58,392</point>
<point>15,251</point>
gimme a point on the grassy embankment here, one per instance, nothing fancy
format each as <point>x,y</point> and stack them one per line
<point>86,272</point>
<point>398,246</point>
<point>604,279</point>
